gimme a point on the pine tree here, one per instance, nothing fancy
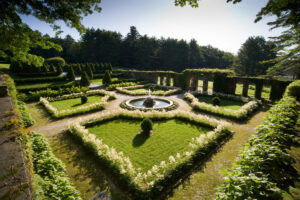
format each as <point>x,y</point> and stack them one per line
<point>59,70</point>
<point>84,82</point>
<point>52,69</point>
<point>107,78</point>
<point>89,71</point>
<point>71,74</point>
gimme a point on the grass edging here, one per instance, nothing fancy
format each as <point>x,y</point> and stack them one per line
<point>264,167</point>
<point>51,177</point>
<point>152,183</point>
<point>241,114</point>
<point>83,109</point>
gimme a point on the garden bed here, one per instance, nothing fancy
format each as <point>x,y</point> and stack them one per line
<point>67,105</point>
<point>144,90</point>
<point>231,106</point>
<point>148,165</point>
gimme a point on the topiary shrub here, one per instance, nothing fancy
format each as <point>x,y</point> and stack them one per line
<point>71,74</point>
<point>55,61</point>
<point>59,70</point>
<point>84,99</point>
<point>146,126</point>
<point>85,81</point>
<point>216,101</point>
<point>89,72</point>
<point>107,78</point>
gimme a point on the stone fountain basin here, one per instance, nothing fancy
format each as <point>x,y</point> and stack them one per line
<point>159,103</point>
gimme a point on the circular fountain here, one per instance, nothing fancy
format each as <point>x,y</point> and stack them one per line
<point>149,102</point>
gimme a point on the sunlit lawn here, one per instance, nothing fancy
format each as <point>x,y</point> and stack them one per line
<point>225,103</point>
<point>99,81</point>
<point>74,103</point>
<point>169,138</point>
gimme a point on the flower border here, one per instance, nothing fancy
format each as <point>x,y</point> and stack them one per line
<point>83,109</point>
<point>171,90</point>
<point>248,108</point>
<point>162,175</point>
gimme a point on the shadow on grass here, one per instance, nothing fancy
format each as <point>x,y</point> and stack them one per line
<point>139,140</point>
<point>77,104</point>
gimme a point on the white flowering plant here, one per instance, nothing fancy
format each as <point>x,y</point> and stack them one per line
<point>45,101</point>
<point>159,175</point>
<point>250,105</point>
<point>143,90</point>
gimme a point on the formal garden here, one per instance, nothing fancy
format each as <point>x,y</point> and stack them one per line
<point>201,104</point>
<point>147,134</point>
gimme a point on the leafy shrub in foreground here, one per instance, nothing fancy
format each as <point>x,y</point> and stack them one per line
<point>216,101</point>
<point>53,179</point>
<point>264,168</point>
<point>84,99</point>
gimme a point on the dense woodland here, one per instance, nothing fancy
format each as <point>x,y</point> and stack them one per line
<point>137,51</point>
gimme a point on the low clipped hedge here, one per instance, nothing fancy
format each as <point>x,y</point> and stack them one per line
<point>53,181</point>
<point>293,90</point>
<point>243,113</point>
<point>26,118</point>
<point>151,184</point>
<point>36,87</point>
<point>264,167</point>
<point>20,81</point>
<point>166,90</point>
<point>36,95</point>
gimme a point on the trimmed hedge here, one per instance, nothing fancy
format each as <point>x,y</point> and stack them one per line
<point>36,87</point>
<point>243,113</point>
<point>153,183</point>
<point>293,89</point>
<point>167,90</point>
<point>20,81</point>
<point>25,115</point>
<point>264,167</point>
<point>53,181</point>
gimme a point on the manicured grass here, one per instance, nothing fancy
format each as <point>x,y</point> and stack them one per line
<point>225,103</point>
<point>169,138</point>
<point>74,103</point>
<point>99,81</point>
<point>4,66</point>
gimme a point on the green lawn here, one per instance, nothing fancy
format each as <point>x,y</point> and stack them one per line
<point>99,81</point>
<point>169,138</point>
<point>225,103</point>
<point>74,103</point>
<point>4,66</point>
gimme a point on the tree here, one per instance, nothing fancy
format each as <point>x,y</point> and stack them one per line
<point>59,70</point>
<point>107,78</point>
<point>146,126</point>
<point>71,74</point>
<point>89,71</point>
<point>250,57</point>
<point>84,81</point>
<point>17,38</point>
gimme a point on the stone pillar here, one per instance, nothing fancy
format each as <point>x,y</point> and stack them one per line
<point>188,83</point>
<point>176,80</point>
<point>245,88</point>
<point>161,80</point>
<point>194,83</point>
<point>168,81</point>
<point>205,83</point>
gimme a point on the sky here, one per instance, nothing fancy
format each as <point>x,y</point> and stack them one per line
<point>215,22</point>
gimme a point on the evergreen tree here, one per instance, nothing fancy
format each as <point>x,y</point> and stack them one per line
<point>107,78</point>
<point>89,71</point>
<point>59,70</point>
<point>52,68</point>
<point>85,81</point>
<point>71,74</point>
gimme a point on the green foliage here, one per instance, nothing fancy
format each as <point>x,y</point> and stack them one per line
<point>30,80</point>
<point>71,74</point>
<point>216,101</point>
<point>125,84</point>
<point>59,70</point>
<point>55,61</point>
<point>42,86</point>
<point>192,3</point>
<point>293,90</point>
<point>53,179</point>
<point>250,57</point>
<point>107,78</point>
<point>84,99</point>
<point>35,95</point>
<point>208,71</point>
<point>26,118</point>
<point>89,72</point>
<point>84,81</point>
<point>264,168</point>
<point>146,125</point>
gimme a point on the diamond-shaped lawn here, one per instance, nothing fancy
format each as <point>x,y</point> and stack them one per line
<point>169,138</point>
